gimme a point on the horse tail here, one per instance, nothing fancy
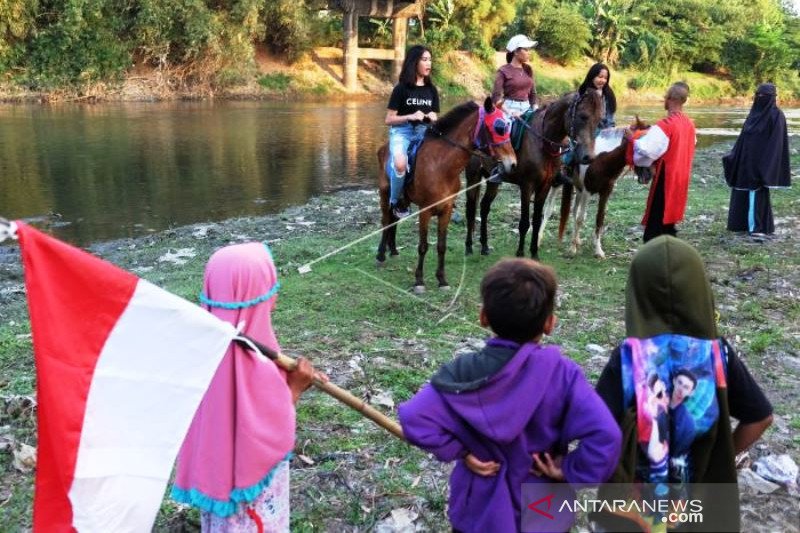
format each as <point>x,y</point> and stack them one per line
<point>566,205</point>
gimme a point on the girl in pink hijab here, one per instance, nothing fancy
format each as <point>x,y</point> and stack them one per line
<point>234,463</point>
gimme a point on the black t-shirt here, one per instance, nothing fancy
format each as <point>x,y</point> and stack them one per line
<point>746,401</point>
<point>407,100</point>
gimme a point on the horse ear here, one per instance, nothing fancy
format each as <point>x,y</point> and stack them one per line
<point>639,123</point>
<point>488,105</point>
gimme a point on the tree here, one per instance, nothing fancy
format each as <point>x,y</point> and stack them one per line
<point>482,20</point>
<point>16,24</point>
<point>563,33</point>
<point>612,23</point>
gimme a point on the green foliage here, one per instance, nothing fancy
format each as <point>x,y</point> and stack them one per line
<point>563,33</point>
<point>443,34</point>
<point>378,34</point>
<point>613,23</point>
<point>77,42</point>
<point>443,75</point>
<point>548,85</point>
<point>278,81</point>
<point>215,42</point>
<point>482,20</point>
<point>288,25</point>
<point>57,43</point>
<point>764,339</point>
<point>325,29</point>
<point>760,55</point>
<point>16,23</point>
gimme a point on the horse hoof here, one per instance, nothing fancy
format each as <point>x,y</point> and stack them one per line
<point>520,253</point>
<point>600,255</point>
<point>444,287</point>
<point>394,253</point>
<point>486,251</point>
<point>419,289</point>
<point>468,250</point>
<point>379,263</point>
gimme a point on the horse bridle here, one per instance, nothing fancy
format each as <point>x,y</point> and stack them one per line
<point>558,148</point>
<point>472,151</point>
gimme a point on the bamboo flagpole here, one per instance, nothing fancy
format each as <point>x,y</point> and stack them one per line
<point>347,398</point>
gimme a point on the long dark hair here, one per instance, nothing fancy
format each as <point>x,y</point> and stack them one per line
<point>408,74</point>
<point>526,67</point>
<point>608,93</point>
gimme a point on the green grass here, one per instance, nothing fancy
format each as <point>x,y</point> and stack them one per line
<point>277,81</point>
<point>377,339</point>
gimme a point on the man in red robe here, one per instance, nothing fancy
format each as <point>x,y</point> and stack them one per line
<point>669,148</point>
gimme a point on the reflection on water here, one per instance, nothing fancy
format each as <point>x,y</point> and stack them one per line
<point>105,171</point>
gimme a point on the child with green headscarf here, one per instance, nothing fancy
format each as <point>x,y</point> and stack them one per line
<point>672,339</point>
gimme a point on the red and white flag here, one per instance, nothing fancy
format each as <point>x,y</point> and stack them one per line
<point>121,367</point>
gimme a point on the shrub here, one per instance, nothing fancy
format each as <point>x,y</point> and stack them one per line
<point>277,81</point>
<point>563,33</point>
<point>287,27</point>
<point>78,42</point>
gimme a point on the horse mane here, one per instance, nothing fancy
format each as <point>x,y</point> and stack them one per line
<point>453,118</point>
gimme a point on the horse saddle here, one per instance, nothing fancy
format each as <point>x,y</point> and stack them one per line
<point>413,148</point>
<point>518,127</point>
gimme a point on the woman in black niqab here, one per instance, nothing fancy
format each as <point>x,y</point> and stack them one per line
<point>758,162</point>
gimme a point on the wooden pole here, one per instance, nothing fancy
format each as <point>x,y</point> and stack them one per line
<point>399,31</point>
<point>289,364</point>
<point>350,50</point>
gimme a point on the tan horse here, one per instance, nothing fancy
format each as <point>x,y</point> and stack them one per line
<point>447,149</point>
<point>572,116</point>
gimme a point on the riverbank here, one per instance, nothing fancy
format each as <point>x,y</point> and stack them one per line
<point>318,76</point>
<point>366,329</point>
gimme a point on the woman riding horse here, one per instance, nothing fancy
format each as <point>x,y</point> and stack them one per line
<point>447,148</point>
<point>413,105</point>
<point>574,117</point>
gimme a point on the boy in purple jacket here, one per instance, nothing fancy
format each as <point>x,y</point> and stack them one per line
<point>507,414</point>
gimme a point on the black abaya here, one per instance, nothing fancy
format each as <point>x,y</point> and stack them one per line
<point>758,161</point>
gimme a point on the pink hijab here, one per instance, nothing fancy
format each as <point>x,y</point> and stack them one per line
<point>245,425</point>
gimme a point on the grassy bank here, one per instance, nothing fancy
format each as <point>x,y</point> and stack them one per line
<point>374,337</point>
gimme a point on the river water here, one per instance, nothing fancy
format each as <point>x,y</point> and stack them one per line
<point>96,172</point>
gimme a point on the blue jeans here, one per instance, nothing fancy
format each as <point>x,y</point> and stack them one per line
<point>400,137</point>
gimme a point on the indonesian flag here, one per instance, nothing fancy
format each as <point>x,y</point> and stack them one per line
<point>121,368</point>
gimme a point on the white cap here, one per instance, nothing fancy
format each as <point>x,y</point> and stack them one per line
<point>519,41</point>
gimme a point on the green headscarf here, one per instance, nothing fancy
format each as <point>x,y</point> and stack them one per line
<point>668,292</point>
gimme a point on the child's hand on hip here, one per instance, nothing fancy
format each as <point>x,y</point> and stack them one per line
<point>548,466</point>
<point>482,468</point>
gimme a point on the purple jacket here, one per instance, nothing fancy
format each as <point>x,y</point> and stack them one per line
<point>538,401</point>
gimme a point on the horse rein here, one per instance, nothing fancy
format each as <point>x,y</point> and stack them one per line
<point>556,148</point>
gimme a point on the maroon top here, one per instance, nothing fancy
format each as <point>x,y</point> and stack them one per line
<point>514,84</point>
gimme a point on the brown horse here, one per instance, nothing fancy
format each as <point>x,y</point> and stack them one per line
<point>447,149</point>
<point>599,177</point>
<point>539,157</point>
